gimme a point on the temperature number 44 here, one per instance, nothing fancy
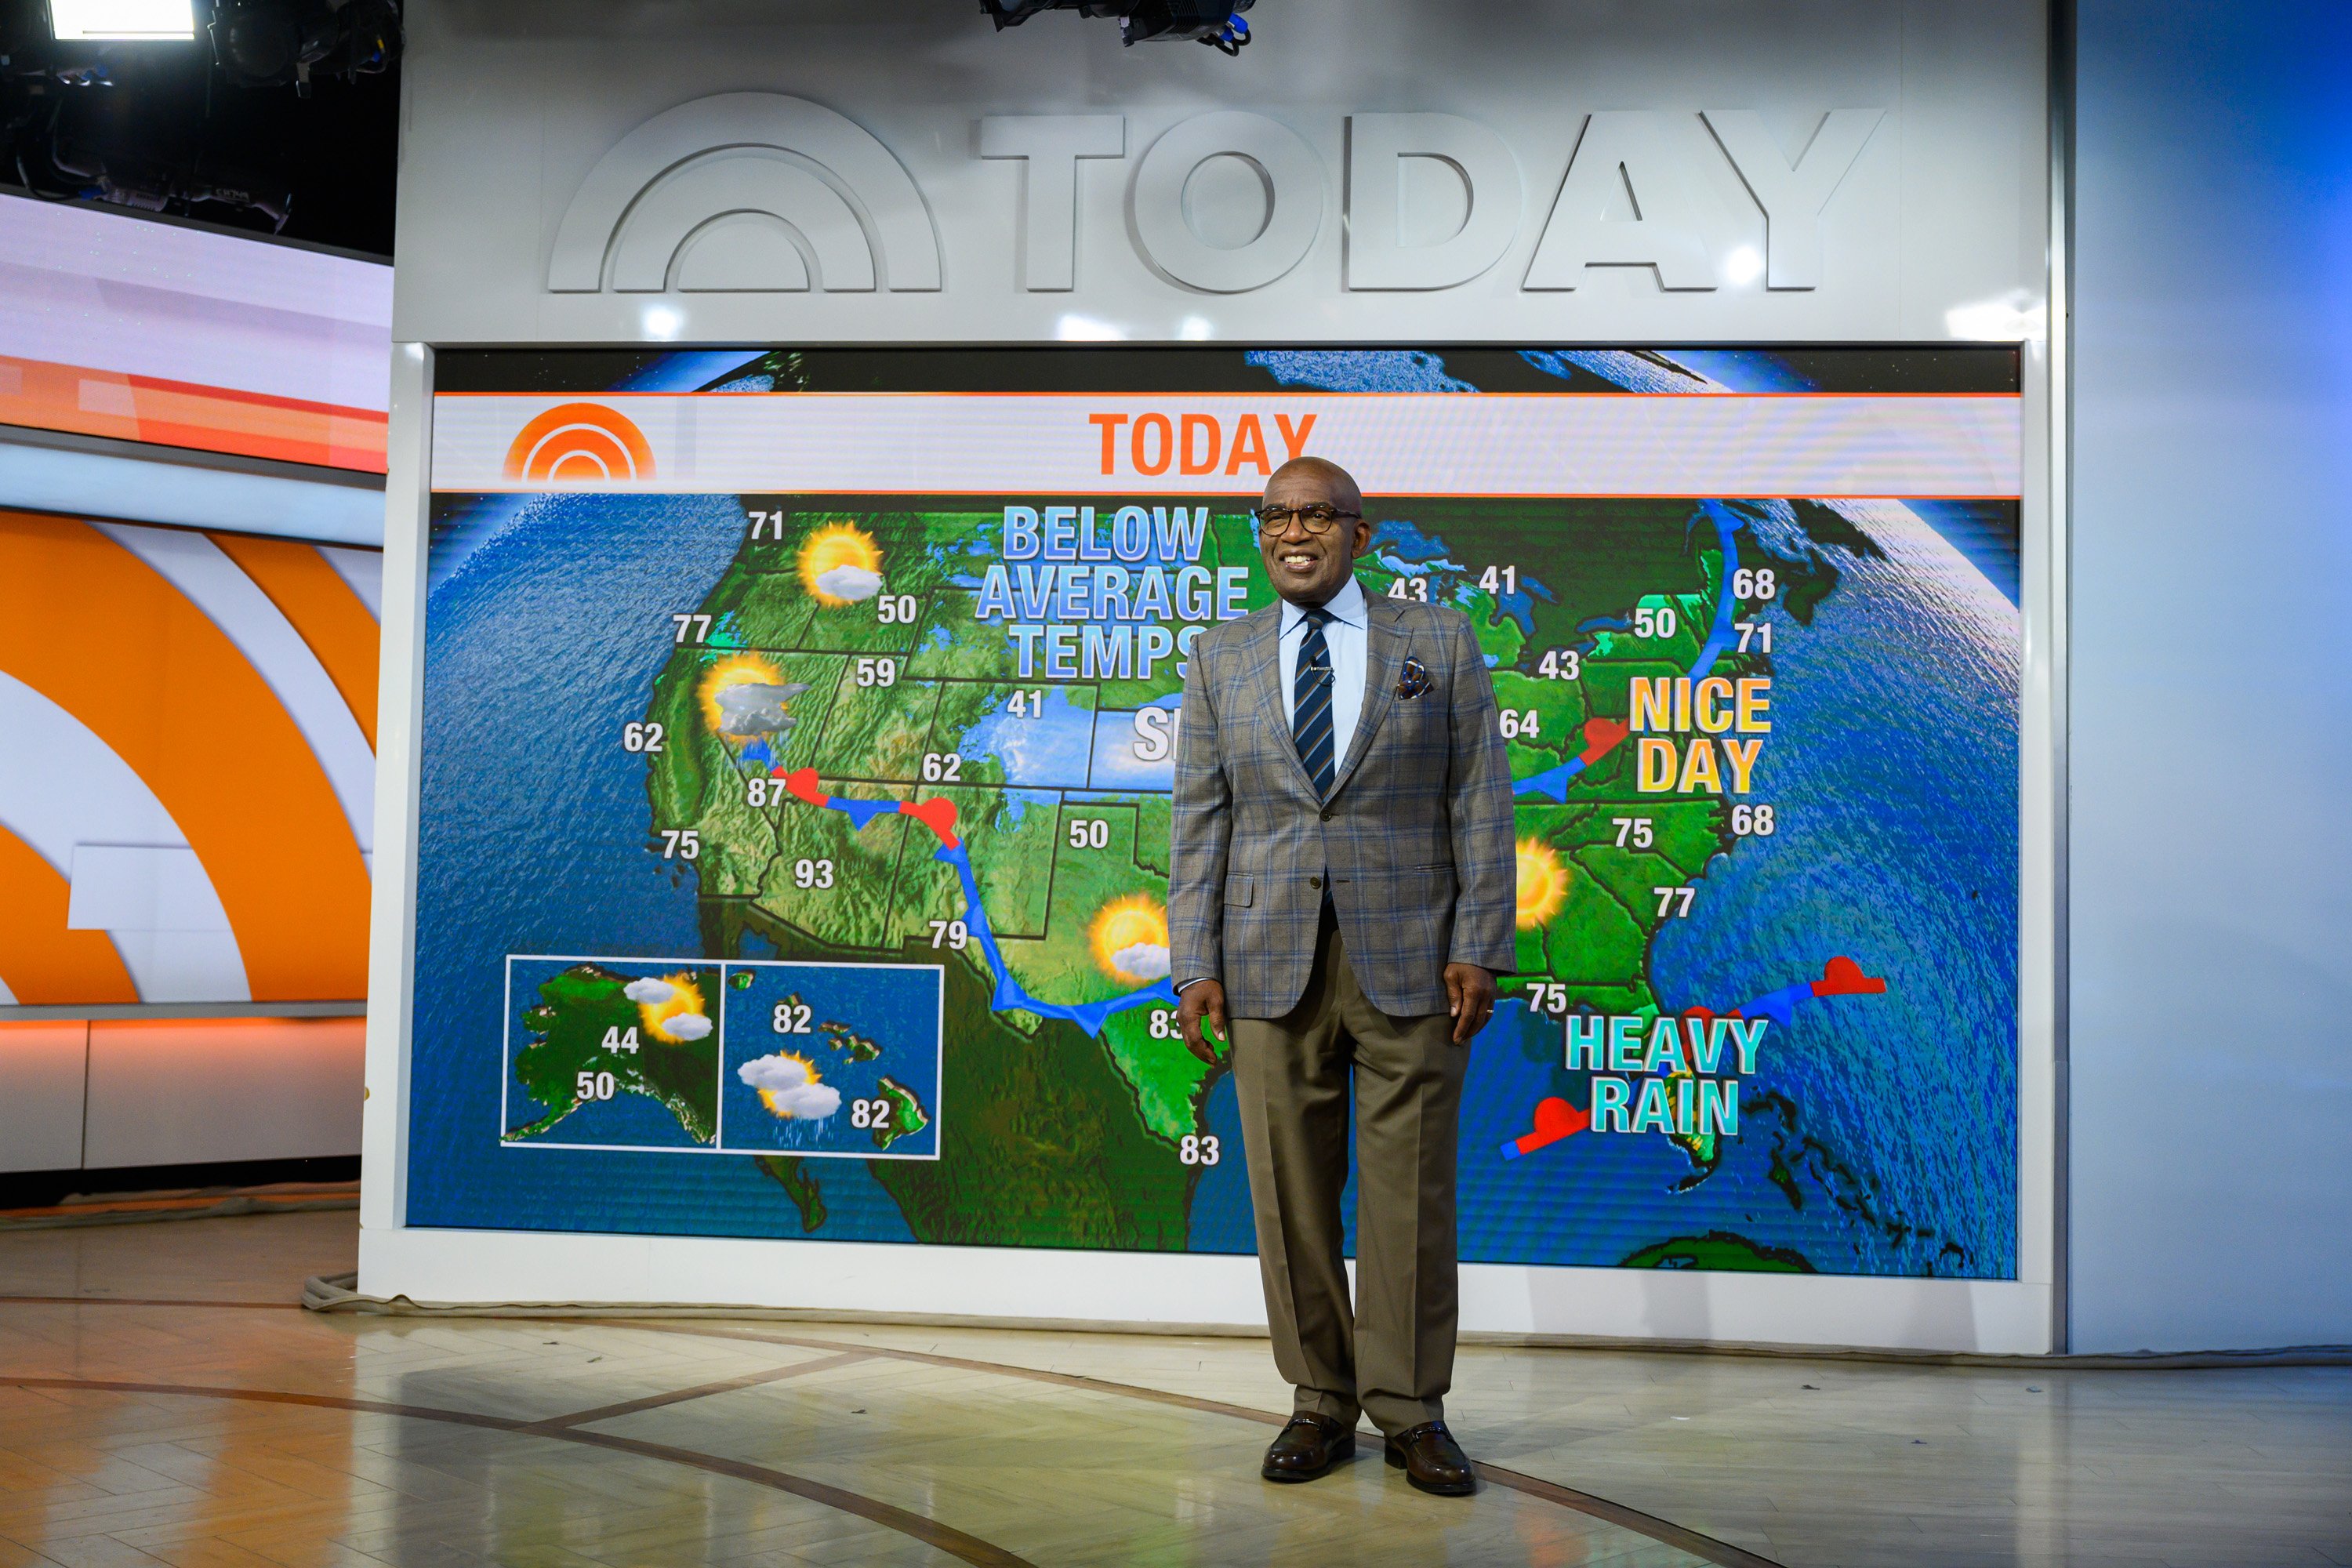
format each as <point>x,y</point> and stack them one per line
<point>949,933</point>
<point>790,1018</point>
<point>874,1114</point>
<point>1633,832</point>
<point>1756,632</point>
<point>621,1042</point>
<point>1674,903</point>
<point>1202,1150</point>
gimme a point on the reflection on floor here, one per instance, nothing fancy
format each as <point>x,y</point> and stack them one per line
<point>137,1427</point>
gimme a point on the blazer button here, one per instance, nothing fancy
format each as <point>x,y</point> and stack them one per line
<point>1326,816</point>
<point>1314,882</point>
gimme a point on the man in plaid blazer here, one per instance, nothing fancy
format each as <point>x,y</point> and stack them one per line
<point>1341,900</point>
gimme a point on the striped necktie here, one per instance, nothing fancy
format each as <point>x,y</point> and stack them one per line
<point>1310,702</point>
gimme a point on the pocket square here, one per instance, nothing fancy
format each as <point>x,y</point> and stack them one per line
<point>1411,680</point>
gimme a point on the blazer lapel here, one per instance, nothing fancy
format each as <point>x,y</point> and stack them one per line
<point>1384,652</point>
<point>1265,690</point>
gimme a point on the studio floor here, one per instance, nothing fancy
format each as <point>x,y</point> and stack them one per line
<point>164,1400</point>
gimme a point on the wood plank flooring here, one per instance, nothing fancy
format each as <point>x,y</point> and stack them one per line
<point>231,1429</point>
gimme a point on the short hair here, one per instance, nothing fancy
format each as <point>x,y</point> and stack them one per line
<point>1342,479</point>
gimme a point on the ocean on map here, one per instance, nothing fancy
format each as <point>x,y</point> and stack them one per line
<point>547,622</point>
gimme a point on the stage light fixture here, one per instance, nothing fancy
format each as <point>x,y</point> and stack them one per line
<point>1217,22</point>
<point>270,43</point>
<point>162,21</point>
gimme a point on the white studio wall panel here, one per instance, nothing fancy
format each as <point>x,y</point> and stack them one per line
<point>1828,171</point>
<point>43,1067</point>
<point>2207,949</point>
<point>133,296</point>
<point>1365,174</point>
<point>206,1090</point>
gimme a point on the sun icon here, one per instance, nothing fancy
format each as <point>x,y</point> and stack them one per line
<point>1543,883</point>
<point>1130,940</point>
<point>735,669</point>
<point>685,1000</point>
<point>841,566</point>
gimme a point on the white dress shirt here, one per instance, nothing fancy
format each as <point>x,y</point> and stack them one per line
<point>1346,635</point>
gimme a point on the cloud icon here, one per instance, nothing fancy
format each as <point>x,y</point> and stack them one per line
<point>648,992</point>
<point>787,1088</point>
<point>684,1027</point>
<point>1144,961</point>
<point>851,583</point>
<point>756,707</point>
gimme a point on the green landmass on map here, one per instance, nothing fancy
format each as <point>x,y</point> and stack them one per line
<point>907,1116</point>
<point>792,1173</point>
<point>1718,1250</point>
<point>842,1038</point>
<point>1070,1139</point>
<point>578,1011</point>
<point>1074,1137</point>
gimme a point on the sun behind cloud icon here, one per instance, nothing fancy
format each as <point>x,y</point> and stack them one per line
<point>841,565</point>
<point>761,687</point>
<point>1130,940</point>
<point>789,1086</point>
<point>679,1016</point>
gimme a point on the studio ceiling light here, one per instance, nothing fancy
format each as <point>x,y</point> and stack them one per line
<point>122,19</point>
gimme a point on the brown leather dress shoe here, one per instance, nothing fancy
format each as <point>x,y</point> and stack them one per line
<point>1432,1460</point>
<point>1310,1445</point>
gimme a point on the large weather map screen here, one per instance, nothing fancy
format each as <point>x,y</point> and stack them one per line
<point>798,729</point>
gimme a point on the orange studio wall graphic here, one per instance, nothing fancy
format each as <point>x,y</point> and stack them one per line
<point>186,767</point>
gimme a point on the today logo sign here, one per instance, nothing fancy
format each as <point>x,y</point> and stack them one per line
<point>765,193</point>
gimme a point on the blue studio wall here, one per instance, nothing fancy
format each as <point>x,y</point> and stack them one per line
<point>2211,701</point>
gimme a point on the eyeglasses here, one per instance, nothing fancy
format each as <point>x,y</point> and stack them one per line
<point>1277,520</point>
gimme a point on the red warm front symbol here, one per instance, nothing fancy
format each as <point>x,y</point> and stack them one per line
<point>579,442</point>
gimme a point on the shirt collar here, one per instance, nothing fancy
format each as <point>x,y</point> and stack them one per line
<point>1347,604</point>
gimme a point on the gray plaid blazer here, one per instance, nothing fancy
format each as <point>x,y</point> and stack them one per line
<point>1414,837</point>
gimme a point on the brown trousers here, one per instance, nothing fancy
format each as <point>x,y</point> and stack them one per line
<point>1391,1356</point>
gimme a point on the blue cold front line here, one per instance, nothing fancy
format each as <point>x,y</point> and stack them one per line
<point>1088,1015</point>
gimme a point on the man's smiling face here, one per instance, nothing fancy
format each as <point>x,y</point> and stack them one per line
<point>1306,567</point>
